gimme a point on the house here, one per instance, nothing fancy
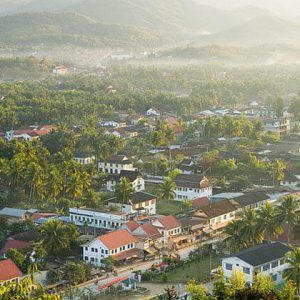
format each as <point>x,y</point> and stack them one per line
<point>134,177</point>
<point>251,200</point>
<point>168,226</point>
<point>188,166</point>
<point>84,158</point>
<point>140,203</point>
<point>291,181</point>
<point>218,214</point>
<point>131,225</point>
<point>119,244</point>
<point>112,124</point>
<point>115,164</point>
<point>60,70</point>
<point>192,186</point>
<point>193,228</point>
<point>96,218</point>
<point>148,236</point>
<point>198,202</point>
<point>14,214</point>
<point>280,126</point>
<point>9,272</point>
<point>268,259</point>
<point>13,244</point>
<point>30,133</point>
<point>153,112</point>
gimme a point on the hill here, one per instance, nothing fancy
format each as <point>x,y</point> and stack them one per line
<point>70,28</point>
<point>269,29</point>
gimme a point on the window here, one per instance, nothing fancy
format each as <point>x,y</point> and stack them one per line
<point>96,259</point>
<point>93,250</point>
<point>102,251</point>
<point>274,277</point>
<point>257,270</point>
<point>274,264</point>
<point>86,258</point>
<point>106,251</point>
<point>228,267</point>
<point>225,217</point>
<point>86,248</point>
<point>96,250</point>
<point>266,267</point>
<point>246,270</point>
<point>282,261</point>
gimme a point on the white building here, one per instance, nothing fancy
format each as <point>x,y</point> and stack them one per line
<point>168,226</point>
<point>153,112</point>
<point>119,244</point>
<point>134,177</point>
<point>97,218</point>
<point>115,164</point>
<point>280,126</point>
<point>141,203</point>
<point>218,214</point>
<point>267,259</point>
<point>192,186</point>
<point>84,158</point>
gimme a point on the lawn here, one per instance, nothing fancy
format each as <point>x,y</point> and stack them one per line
<point>198,269</point>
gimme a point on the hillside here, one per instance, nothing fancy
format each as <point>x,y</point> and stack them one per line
<point>70,28</point>
<point>270,29</point>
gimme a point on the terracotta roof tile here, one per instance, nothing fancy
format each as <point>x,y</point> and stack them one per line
<point>132,225</point>
<point>151,230</point>
<point>169,222</point>
<point>117,239</point>
<point>14,244</point>
<point>8,270</point>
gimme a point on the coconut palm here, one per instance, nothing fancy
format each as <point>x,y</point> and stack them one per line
<point>288,213</point>
<point>293,270</point>
<point>234,239</point>
<point>166,189</point>
<point>124,191</point>
<point>267,222</point>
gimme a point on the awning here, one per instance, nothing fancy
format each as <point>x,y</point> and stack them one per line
<point>178,239</point>
<point>127,254</point>
<point>105,286</point>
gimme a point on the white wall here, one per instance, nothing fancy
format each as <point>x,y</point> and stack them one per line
<point>191,193</point>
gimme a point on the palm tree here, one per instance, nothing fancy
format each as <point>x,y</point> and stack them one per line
<point>288,213</point>
<point>234,238</point>
<point>250,231</point>
<point>267,222</point>
<point>55,237</point>
<point>124,191</point>
<point>166,189</point>
<point>293,270</point>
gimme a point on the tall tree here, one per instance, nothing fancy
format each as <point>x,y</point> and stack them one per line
<point>166,189</point>
<point>124,191</point>
<point>293,270</point>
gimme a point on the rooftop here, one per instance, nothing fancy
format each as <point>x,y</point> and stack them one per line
<point>117,239</point>
<point>8,270</point>
<point>217,209</point>
<point>262,253</point>
<point>169,222</point>
<point>12,212</point>
<point>192,181</point>
<point>251,198</point>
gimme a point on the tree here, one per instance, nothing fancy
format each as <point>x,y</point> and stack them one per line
<point>57,237</point>
<point>278,107</point>
<point>17,257</point>
<point>197,292</point>
<point>124,191</point>
<point>234,239</point>
<point>166,189</point>
<point>76,273</point>
<point>287,213</point>
<point>293,270</point>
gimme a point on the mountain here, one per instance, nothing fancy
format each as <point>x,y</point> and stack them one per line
<point>8,6</point>
<point>70,28</point>
<point>269,29</point>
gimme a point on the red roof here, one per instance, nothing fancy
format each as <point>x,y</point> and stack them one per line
<point>151,230</point>
<point>14,244</point>
<point>113,282</point>
<point>8,270</point>
<point>117,239</point>
<point>37,216</point>
<point>132,225</point>
<point>200,201</point>
<point>169,222</point>
<point>126,254</point>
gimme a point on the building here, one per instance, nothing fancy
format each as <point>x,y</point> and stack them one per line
<point>267,259</point>
<point>141,203</point>
<point>13,244</point>
<point>60,70</point>
<point>14,214</point>
<point>168,226</point>
<point>134,177</point>
<point>115,164</point>
<point>30,133</point>
<point>190,187</point>
<point>188,166</point>
<point>217,214</point>
<point>280,126</point>
<point>119,244</point>
<point>9,272</point>
<point>153,112</point>
<point>291,181</point>
<point>252,200</point>
<point>84,158</point>
<point>102,219</point>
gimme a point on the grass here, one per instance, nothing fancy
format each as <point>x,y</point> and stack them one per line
<point>197,269</point>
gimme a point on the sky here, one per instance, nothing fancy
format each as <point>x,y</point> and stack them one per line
<point>284,8</point>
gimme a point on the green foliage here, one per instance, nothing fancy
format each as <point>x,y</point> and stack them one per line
<point>124,191</point>
<point>76,273</point>
<point>197,292</point>
<point>166,189</point>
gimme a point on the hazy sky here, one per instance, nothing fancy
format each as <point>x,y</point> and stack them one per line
<point>290,8</point>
